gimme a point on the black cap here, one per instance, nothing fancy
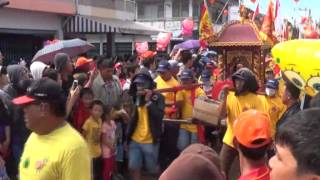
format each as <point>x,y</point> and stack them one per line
<point>206,75</point>
<point>163,66</point>
<point>43,89</point>
<point>273,84</point>
<point>140,78</point>
<point>186,74</point>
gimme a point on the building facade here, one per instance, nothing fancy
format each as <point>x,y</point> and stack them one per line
<point>169,14</point>
<point>109,24</point>
<point>25,25</point>
<point>113,26</point>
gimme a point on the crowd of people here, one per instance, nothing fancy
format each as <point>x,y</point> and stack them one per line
<point>132,118</point>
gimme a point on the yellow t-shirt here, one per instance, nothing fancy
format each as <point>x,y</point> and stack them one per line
<point>275,110</point>
<point>63,154</point>
<point>236,105</point>
<point>187,108</point>
<point>142,133</point>
<point>282,87</point>
<point>92,130</point>
<point>169,96</point>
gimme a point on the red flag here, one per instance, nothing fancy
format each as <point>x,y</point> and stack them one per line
<point>267,29</point>
<point>206,27</point>
<point>256,12</point>
<point>303,20</point>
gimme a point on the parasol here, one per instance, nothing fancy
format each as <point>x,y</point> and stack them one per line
<point>189,44</point>
<point>71,47</point>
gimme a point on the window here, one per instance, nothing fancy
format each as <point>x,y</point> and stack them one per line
<point>161,11</point>
<point>140,11</point>
<point>180,8</point>
<point>196,9</point>
<point>215,11</point>
<point>150,11</point>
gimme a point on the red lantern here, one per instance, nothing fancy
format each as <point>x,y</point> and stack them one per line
<point>225,12</point>
<point>253,1</point>
<point>142,47</point>
<point>187,27</point>
<point>163,40</point>
<point>310,33</point>
<point>296,1</point>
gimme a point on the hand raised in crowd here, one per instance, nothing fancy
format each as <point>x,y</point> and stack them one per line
<point>74,94</point>
<point>177,55</point>
<point>148,94</point>
<point>92,76</point>
<point>122,114</point>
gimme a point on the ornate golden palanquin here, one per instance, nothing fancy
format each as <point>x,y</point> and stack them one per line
<point>239,42</point>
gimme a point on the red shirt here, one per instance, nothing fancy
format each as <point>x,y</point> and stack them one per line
<point>81,114</point>
<point>262,173</point>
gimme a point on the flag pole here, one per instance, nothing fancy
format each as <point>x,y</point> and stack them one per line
<point>224,7</point>
<point>254,14</point>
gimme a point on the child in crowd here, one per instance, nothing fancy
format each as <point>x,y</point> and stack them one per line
<point>82,110</point>
<point>108,144</point>
<point>121,119</point>
<point>91,131</point>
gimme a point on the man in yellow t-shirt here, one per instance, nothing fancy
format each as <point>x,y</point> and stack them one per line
<point>54,150</point>
<point>275,106</point>
<point>145,127</point>
<point>244,98</point>
<point>166,80</point>
<point>173,101</point>
<point>188,132</point>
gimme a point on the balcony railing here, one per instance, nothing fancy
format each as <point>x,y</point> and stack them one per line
<point>120,5</point>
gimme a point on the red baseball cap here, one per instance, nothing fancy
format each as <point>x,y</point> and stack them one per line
<point>81,61</point>
<point>252,129</point>
<point>148,54</point>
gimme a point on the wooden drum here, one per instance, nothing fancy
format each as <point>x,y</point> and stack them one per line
<point>206,110</point>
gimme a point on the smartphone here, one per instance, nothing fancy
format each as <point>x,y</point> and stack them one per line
<point>75,84</point>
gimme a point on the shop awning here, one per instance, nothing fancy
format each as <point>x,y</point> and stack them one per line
<point>89,25</point>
